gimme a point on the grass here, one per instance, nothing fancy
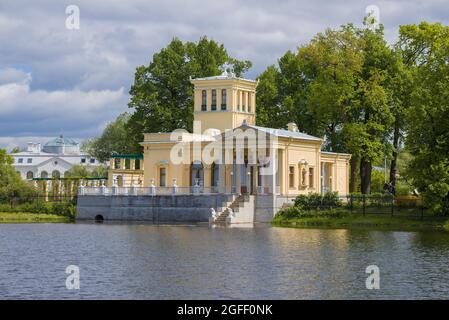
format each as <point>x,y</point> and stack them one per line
<point>369,221</point>
<point>24,217</point>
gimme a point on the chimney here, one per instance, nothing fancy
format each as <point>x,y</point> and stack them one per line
<point>292,127</point>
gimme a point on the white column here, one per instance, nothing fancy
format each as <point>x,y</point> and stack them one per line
<point>221,178</point>
<point>238,178</point>
<point>240,100</point>
<point>273,169</point>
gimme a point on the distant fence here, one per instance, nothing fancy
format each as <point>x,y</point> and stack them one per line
<point>386,204</point>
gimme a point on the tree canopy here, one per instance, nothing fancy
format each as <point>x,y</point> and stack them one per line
<point>162,95</point>
<point>114,139</point>
<point>426,46</point>
<point>11,184</point>
<point>339,87</point>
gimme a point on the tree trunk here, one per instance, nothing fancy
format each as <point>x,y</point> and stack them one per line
<point>365,175</point>
<point>353,174</point>
<point>395,155</point>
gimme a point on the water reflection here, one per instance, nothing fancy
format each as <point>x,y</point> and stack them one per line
<point>125,261</point>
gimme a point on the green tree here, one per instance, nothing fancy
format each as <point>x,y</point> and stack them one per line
<point>15,150</point>
<point>162,95</point>
<point>337,86</point>
<point>371,112</point>
<point>11,184</point>
<point>80,171</point>
<point>428,124</point>
<point>114,139</point>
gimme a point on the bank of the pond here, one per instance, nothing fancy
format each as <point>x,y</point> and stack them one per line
<point>372,221</point>
<point>24,217</point>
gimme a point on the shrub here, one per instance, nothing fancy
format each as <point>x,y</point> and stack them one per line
<point>316,200</point>
<point>295,212</point>
<point>67,209</point>
<point>331,199</point>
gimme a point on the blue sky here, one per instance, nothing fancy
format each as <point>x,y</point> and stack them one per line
<point>73,82</point>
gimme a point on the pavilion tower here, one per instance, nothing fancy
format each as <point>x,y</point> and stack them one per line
<point>224,102</point>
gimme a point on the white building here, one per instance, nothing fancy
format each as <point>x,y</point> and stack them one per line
<point>52,160</point>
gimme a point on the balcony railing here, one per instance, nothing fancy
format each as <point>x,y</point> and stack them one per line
<point>153,190</point>
<point>146,191</point>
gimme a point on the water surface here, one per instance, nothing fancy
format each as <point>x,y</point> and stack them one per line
<point>119,261</point>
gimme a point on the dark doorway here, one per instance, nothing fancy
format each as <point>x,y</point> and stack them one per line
<point>99,218</point>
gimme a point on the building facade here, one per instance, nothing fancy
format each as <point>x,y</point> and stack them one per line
<point>224,108</point>
<point>52,160</point>
<point>226,170</point>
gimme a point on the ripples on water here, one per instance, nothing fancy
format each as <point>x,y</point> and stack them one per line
<point>121,261</point>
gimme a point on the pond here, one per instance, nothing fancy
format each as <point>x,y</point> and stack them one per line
<point>138,261</point>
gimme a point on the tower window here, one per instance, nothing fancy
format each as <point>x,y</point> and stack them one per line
<point>203,100</point>
<point>223,99</point>
<point>244,102</point>
<point>214,100</point>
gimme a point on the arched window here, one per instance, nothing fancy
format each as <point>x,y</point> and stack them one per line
<point>213,106</point>
<point>203,100</point>
<point>30,175</point>
<point>223,99</point>
<point>55,174</point>
<point>44,174</point>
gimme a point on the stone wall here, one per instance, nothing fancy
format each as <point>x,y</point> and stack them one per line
<point>175,208</point>
<point>159,208</point>
<point>264,207</point>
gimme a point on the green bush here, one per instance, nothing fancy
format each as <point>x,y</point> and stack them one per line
<point>296,212</point>
<point>316,200</point>
<point>66,209</point>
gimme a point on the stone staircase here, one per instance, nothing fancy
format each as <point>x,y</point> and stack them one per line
<point>233,208</point>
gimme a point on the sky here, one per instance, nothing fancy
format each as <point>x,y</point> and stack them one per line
<point>72,81</point>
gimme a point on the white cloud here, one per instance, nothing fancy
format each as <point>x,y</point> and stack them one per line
<point>81,77</point>
<point>11,76</point>
<point>75,113</point>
